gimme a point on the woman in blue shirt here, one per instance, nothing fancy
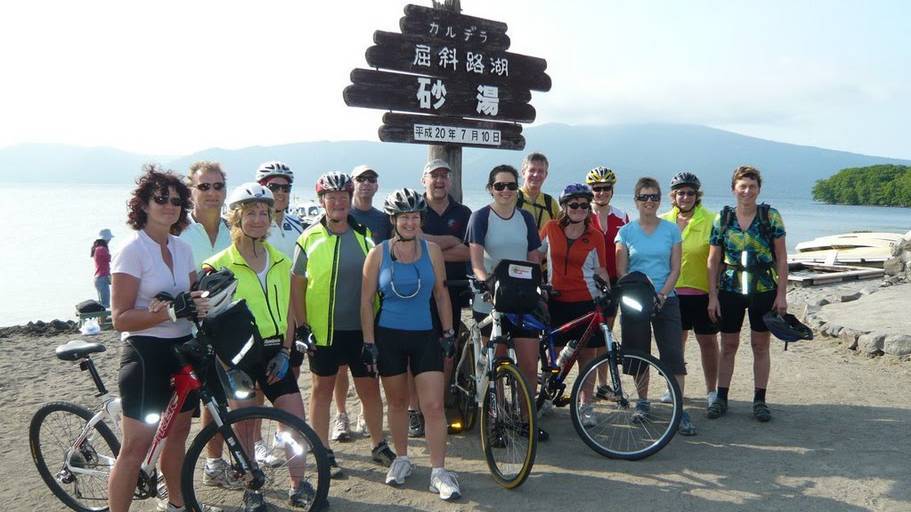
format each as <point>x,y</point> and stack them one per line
<point>407,271</point>
<point>652,245</point>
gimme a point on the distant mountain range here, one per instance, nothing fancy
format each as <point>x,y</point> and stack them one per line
<point>657,150</point>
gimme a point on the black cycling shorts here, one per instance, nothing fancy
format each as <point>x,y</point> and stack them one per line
<point>507,327</point>
<point>400,350</point>
<point>346,349</point>
<point>563,312</point>
<point>146,366</point>
<point>257,371</point>
<point>694,314</point>
<point>733,306</point>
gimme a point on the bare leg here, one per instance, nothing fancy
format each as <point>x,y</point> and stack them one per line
<point>729,344</point>
<point>341,390</point>
<point>430,391</point>
<point>137,438</point>
<point>708,350</point>
<point>215,446</point>
<point>175,446</point>
<point>368,390</point>
<point>759,341</point>
<point>320,399</point>
<point>397,397</point>
<point>586,355</point>
<point>527,354</point>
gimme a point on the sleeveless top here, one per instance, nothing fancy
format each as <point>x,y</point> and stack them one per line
<point>400,310</point>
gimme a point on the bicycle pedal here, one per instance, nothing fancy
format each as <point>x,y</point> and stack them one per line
<point>561,402</point>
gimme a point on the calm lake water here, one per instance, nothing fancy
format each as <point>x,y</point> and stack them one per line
<point>46,268</point>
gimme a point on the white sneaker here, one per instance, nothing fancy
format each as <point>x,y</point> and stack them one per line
<point>341,431</point>
<point>261,451</point>
<point>587,415</point>
<point>446,483</point>
<point>360,426</point>
<point>165,506</point>
<point>666,397</point>
<point>711,397</point>
<point>221,474</point>
<point>401,468</point>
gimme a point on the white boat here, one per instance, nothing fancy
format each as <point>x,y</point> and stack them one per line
<point>863,248</point>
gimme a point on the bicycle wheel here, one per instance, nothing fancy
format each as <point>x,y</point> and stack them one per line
<point>76,474</point>
<point>467,402</point>
<point>509,431</point>
<point>296,456</point>
<point>617,424</point>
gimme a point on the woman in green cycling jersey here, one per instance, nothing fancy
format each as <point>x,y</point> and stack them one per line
<point>263,276</point>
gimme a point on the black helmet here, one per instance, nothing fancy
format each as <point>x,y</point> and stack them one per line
<point>221,286</point>
<point>685,179</point>
<point>404,200</point>
<point>787,327</point>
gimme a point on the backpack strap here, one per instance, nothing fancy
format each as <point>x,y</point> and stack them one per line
<point>548,201</point>
<point>521,199</point>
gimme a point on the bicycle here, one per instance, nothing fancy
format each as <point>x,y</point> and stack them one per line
<point>508,421</point>
<point>608,421</point>
<point>65,436</point>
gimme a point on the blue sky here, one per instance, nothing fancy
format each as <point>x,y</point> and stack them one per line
<point>175,77</point>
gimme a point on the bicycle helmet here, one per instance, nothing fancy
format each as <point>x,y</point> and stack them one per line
<point>601,175</point>
<point>334,182</point>
<point>272,169</point>
<point>249,193</point>
<point>404,200</point>
<point>220,285</point>
<point>685,179</point>
<point>575,190</point>
<point>787,327</point>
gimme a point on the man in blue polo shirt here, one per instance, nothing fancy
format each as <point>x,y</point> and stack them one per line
<point>445,223</point>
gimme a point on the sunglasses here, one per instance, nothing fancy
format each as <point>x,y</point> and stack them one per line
<point>687,193</point>
<point>500,186</point>
<point>204,187</point>
<point>603,188</point>
<point>162,200</point>
<point>276,187</point>
<point>576,206</point>
<point>648,197</point>
<point>368,179</point>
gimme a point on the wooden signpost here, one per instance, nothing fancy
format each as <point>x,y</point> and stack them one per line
<point>454,76</point>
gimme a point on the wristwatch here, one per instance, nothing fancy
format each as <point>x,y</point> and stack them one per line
<point>449,332</point>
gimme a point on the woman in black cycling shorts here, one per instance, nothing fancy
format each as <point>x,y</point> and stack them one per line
<point>263,276</point>
<point>407,271</point>
<point>153,261</point>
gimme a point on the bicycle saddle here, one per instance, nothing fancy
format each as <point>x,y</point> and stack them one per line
<point>77,349</point>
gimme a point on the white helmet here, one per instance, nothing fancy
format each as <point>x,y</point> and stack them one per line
<point>250,192</point>
<point>274,168</point>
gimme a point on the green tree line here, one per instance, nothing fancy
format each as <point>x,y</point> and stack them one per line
<point>879,185</point>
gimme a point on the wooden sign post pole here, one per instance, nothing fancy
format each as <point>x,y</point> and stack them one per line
<point>450,153</point>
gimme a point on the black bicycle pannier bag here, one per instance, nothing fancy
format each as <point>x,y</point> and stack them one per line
<point>233,335</point>
<point>514,286</point>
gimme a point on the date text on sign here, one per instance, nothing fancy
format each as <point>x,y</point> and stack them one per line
<point>456,135</point>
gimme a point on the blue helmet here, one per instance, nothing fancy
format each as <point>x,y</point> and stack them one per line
<point>575,190</point>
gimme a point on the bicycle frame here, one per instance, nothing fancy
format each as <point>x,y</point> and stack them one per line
<point>486,354</point>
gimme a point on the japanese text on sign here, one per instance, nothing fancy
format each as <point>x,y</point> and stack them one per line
<point>448,58</point>
<point>456,135</point>
<point>465,34</point>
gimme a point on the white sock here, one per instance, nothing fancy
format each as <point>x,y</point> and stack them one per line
<point>211,462</point>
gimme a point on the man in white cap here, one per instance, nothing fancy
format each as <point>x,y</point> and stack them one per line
<point>365,186</point>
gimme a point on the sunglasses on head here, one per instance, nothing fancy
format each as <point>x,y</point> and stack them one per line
<point>162,200</point>
<point>500,186</point>
<point>275,187</point>
<point>687,193</point>
<point>368,179</point>
<point>648,197</point>
<point>602,188</point>
<point>204,187</point>
<point>576,206</point>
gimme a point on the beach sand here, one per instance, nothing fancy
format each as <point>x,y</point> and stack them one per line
<point>839,440</point>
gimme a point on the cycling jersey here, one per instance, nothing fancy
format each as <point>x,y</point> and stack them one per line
<point>196,235</point>
<point>399,310</point>
<point>616,218</point>
<point>693,266</point>
<point>332,277</point>
<point>283,236</point>
<point>571,264</point>
<point>267,300</point>
<point>758,252</point>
